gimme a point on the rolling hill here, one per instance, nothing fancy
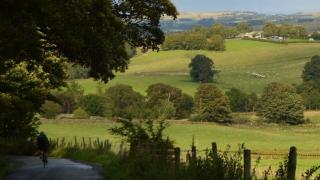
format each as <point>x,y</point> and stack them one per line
<point>239,66</point>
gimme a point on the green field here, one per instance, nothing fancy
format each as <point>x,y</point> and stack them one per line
<point>272,139</point>
<point>279,63</point>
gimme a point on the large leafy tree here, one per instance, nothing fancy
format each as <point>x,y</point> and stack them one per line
<point>211,104</point>
<point>281,104</point>
<point>37,36</point>
<point>125,102</point>
<point>312,70</point>
<point>202,69</point>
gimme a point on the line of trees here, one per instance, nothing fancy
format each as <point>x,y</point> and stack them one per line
<point>203,38</point>
<point>285,30</point>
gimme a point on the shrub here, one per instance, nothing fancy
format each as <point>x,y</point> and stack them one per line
<point>50,109</point>
<point>80,114</point>
<point>95,105</point>
<point>216,43</point>
<point>76,71</point>
<point>125,102</point>
<point>211,104</point>
<point>281,104</point>
<point>202,69</point>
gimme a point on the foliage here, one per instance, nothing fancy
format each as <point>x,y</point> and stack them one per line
<point>244,27</point>
<point>285,30</point>
<point>281,104</point>
<point>185,41</point>
<point>95,105</point>
<point>92,33</point>
<point>125,102</point>
<point>143,134</point>
<point>202,69</point>
<point>241,101</point>
<point>76,71</point>
<point>24,87</point>
<point>315,35</point>
<point>199,39</point>
<point>50,109</point>
<point>70,97</point>
<point>216,43</point>
<point>6,167</point>
<point>312,70</point>
<point>211,104</point>
<point>310,92</point>
<point>162,98</point>
<point>184,107</point>
<point>80,113</point>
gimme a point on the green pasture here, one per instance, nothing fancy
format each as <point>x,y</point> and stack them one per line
<point>265,139</point>
<point>243,58</point>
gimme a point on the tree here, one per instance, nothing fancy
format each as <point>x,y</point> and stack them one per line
<point>202,69</point>
<point>76,71</point>
<point>216,43</point>
<point>217,29</point>
<point>50,110</point>
<point>311,70</point>
<point>211,104</point>
<point>244,27</point>
<point>95,105</point>
<point>70,97</point>
<point>125,102</point>
<point>92,33</point>
<point>281,104</point>
<point>184,106</point>
<point>310,92</point>
<point>239,100</point>
<point>270,29</point>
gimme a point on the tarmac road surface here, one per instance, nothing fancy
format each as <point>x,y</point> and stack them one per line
<point>31,168</point>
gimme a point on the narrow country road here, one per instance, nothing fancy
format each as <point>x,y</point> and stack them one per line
<point>57,169</point>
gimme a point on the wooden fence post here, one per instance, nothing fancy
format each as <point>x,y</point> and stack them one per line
<point>247,164</point>
<point>292,163</point>
<point>177,157</point>
<point>194,154</point>
<point>214,149</point>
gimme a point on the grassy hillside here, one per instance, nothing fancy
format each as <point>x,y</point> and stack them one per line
<point>271,139</point>
<point>281,63</point>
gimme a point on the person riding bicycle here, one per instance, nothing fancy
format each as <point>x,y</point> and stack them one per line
<point>43,144</point>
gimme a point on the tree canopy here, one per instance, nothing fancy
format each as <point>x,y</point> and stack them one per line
<point>202,69</point>
<point>281,104</point>
<point>311,70</point>
<point>37,37</point>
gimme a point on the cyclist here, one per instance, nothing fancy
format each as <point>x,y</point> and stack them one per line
<point>43,146</point>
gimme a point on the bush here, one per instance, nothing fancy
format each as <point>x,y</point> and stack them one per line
<point>50,110</point>
<point>95,105</point>
<point>202,69</point>
<point>125,102</point>
<point>216,43</point>
<point>80,114</point>
<point>211,104</point>
<point>281,104</point>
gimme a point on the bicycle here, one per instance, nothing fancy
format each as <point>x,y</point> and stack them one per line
<point>44,159</point>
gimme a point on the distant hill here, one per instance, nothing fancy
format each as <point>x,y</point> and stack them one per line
<point>188,20</point>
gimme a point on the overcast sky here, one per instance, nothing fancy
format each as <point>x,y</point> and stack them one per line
<point>262,6</point>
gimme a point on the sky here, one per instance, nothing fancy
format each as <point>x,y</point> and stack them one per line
<point>261,6</point>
